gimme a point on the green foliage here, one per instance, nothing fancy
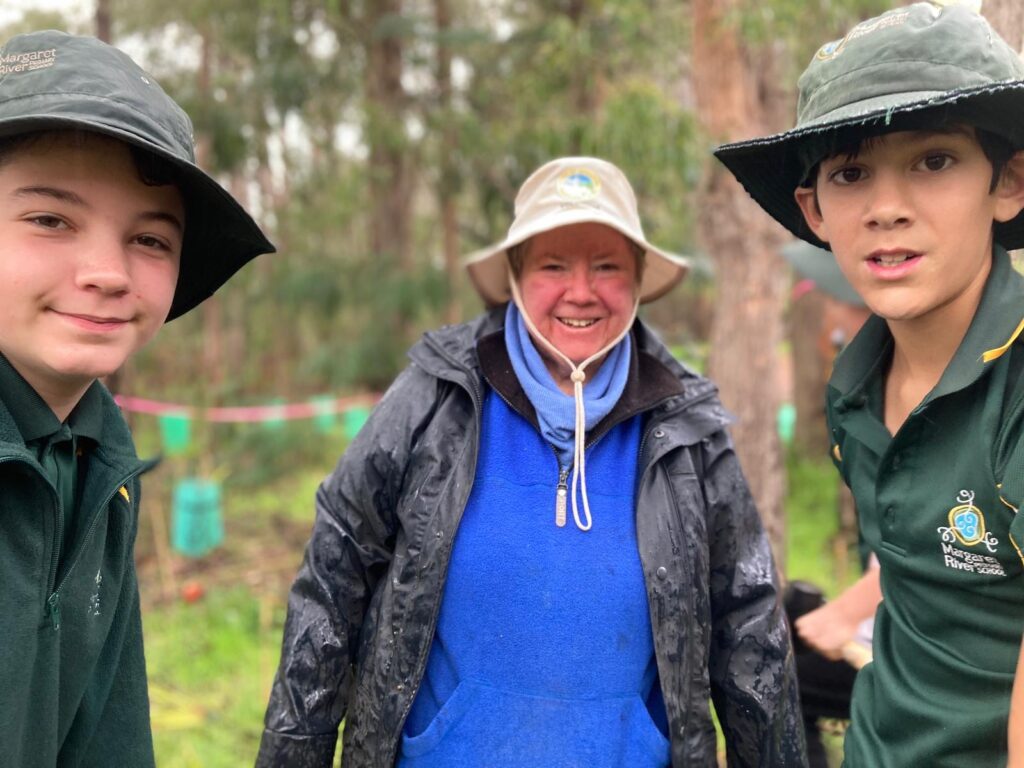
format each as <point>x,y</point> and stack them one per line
<point>812,523</point>
<point>209,665</point>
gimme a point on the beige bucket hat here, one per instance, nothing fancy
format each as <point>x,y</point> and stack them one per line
<point>574,190</point>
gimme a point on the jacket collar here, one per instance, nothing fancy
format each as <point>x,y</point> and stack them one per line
<point>109,428</point>
<point>452,353</point>
<point>649,383</point>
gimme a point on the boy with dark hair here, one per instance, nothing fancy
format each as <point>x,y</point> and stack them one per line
<point>905,164</point>
<point>107,229</point>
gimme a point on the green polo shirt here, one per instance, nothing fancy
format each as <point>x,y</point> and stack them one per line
<point>58,446</point>
<point>934,507</point>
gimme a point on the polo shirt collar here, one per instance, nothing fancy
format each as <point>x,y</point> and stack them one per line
<point>997,322</point>
<point>35,420</point>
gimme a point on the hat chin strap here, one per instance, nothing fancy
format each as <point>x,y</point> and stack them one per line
<point>578,377</point>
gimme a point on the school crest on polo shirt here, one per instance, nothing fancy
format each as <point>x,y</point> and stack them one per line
<point>966,532</point>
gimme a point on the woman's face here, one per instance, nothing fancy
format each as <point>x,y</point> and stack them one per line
<point>578,286</point>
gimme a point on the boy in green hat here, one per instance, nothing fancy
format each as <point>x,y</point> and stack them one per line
<point>905,164</point>
<point>107,229</point>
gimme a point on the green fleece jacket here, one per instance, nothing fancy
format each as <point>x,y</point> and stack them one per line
<point>72,673</point>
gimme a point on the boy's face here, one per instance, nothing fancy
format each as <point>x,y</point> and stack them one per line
<point>909,220</point>
<point>89,259</point>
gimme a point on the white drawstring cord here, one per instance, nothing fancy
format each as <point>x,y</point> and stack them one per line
<point>578,377</point>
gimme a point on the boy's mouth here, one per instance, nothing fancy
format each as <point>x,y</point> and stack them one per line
<point>892,258</point>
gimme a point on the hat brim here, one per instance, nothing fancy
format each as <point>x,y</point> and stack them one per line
<point>488,267</point>
<point>770,168</point>
<point>220,237</point>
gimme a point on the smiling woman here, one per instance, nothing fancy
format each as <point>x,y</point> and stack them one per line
<point>446,607</point>
<point>579,287</point>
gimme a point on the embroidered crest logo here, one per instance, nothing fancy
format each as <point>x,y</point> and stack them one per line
<point>578,186</point>
<point>967,528</point>
<point>967,524</point>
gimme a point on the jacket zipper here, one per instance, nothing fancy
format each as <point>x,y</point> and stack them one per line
<point>561,492</point>
<point>53,601</point>
<point>562,487</point>
<point>477,395</point>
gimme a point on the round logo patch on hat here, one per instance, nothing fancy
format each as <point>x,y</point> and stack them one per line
<point>578,186</point>
<point>829,51</point>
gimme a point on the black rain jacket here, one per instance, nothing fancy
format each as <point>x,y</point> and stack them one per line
<point>364,606</point>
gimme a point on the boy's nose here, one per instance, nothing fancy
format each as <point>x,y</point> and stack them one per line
<point>888,207</point>
<point>103,266</point>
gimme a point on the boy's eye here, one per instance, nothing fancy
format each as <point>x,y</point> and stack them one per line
<point>48,221</point>
<point>848,174</point>
<point>152,241</point>
<point>936,161</point>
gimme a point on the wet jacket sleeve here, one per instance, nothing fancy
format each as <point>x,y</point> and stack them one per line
<point>753,678</point>
<point>349,550</point>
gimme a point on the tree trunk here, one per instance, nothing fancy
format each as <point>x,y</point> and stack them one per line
<point>810,374</point>
<point>585,87</point>
<point>103,21</point>
<point>1007,18</point>
<point>448,181</point>
<point>213,325</point>
<point>751,278</point>
<point>389,166</point>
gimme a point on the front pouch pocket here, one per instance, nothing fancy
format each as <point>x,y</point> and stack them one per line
<point>480,725</point>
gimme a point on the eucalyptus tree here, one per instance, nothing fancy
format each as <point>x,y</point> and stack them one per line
<point>746,59</point>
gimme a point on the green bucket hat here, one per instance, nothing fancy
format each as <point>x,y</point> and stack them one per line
<point>54,81</point>
<point>911,68</point>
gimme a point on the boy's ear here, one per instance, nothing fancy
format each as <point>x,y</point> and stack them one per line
<point>1009,191</point>
<point>808,202</point>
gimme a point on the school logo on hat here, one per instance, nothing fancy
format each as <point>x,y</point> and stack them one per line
<point>578,186</point>
<point>892,19</point>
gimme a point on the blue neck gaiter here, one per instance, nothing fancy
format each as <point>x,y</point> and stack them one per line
<point>556,411</point>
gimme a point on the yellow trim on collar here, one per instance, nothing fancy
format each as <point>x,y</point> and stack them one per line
<point>995,354</point>
<point>837,453</point>
<point>1019,553</point>
<point>1008,504</point>
<point>123,490</point>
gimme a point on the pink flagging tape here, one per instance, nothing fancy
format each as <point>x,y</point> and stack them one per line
<point>248,413</point>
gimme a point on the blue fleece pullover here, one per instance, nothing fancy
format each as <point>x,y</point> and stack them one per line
<point>543,654</point>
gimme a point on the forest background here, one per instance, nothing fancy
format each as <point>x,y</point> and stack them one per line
<point>378,141</point>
